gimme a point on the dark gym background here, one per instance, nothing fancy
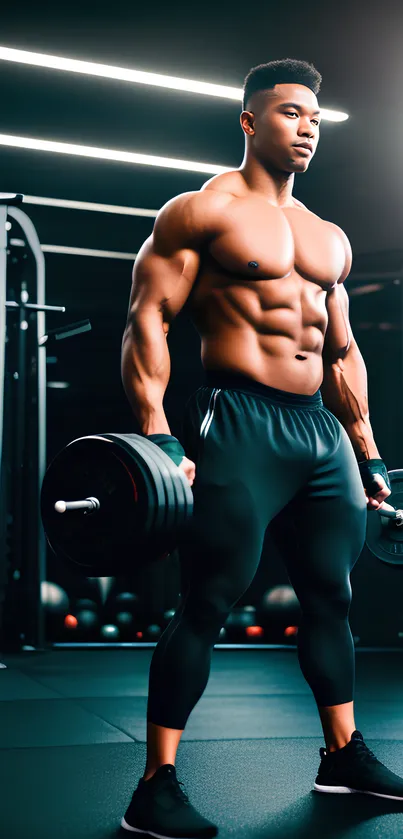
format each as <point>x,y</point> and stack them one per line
<point>73,721</point>
<point>353,181</point>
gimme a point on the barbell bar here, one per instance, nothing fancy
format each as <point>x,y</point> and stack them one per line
<point>135,502</point>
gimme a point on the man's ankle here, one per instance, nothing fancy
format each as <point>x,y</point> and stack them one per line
<point>149,773</point>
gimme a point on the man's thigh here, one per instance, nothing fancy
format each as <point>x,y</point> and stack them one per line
<point>321,532</point>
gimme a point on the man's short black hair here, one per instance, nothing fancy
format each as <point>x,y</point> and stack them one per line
<point>284,71</point>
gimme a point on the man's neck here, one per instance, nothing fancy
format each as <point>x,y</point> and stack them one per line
<point>275,186</point>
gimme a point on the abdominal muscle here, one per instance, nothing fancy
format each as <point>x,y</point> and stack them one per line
<point>242,333</point>
<point>264,360</point>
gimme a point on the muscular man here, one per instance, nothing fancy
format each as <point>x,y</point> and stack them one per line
<point>279,431</point>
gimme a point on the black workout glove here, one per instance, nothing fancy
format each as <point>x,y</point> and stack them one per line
<point>170,445</point>
<point>369,468</point>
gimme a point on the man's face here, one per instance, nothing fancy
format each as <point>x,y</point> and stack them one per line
<point>278,126</point>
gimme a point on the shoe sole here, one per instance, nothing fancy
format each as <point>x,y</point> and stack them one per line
<point>320,788</point>
<point>126,826</point>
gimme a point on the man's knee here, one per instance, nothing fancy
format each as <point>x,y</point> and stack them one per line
<point>333,600</point>
<point>206,613</point>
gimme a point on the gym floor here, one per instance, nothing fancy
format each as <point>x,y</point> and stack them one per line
<point>73,745</point>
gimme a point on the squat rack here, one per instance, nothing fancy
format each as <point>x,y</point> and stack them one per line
<point>24,585</point>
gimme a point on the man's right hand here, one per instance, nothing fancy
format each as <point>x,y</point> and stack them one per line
<point>189,469</point>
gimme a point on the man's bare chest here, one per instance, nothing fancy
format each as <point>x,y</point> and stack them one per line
<point>267,243</point>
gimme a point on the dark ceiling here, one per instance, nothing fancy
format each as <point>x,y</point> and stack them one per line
<point>355,179</point>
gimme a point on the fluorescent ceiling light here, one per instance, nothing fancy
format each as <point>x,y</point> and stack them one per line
<point>56,62</point>
<point>110,154</point>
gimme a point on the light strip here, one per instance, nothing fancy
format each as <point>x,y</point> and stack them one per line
<point>110,154</point>
<point>89,205</point>
<point>88,252</point>
<point>56,62</point>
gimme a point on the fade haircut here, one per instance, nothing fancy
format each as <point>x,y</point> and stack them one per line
<point>285,71</point>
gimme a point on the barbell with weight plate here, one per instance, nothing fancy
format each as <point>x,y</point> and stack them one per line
<point>112,501</point>
<point>385,530</point>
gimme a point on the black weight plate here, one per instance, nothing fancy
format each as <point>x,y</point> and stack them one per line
<point>155,492</point>
<point>165,466</point>
<point>187,509</point>
<point>99,540</point>
<point>177,487</point>
<point>159,547</point>
<point>384,538</point>
<point>151,453</point>
<point>135,464</point>
<point>133,445</point>
<point>183,491</point>
<point>184,503</point>
<point>181,483</point>
<point>161,543</point>
<point>167,469</point>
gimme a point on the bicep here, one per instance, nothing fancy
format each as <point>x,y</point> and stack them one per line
<point>169,261</point>
<point>167,264</point>
<point>162,282</point>
<point>338,336</point>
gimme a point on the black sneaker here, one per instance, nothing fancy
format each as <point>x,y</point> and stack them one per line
<point>354,768</point>
<point>160,808</point>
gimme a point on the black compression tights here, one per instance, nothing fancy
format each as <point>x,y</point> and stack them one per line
<point>263,457</point>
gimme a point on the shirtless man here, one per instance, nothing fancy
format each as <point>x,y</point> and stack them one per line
<point>279,429</point>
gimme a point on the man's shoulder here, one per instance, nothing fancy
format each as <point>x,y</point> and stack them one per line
<point>228,183</point>
<point>199,200</point>
<point>190,216</point>
<point>191,207</point>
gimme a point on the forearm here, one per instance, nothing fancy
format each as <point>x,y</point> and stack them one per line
<point>146,369</point>
<point>345,393</point>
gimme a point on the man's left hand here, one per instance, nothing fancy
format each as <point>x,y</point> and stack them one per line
<point>375,501</point>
